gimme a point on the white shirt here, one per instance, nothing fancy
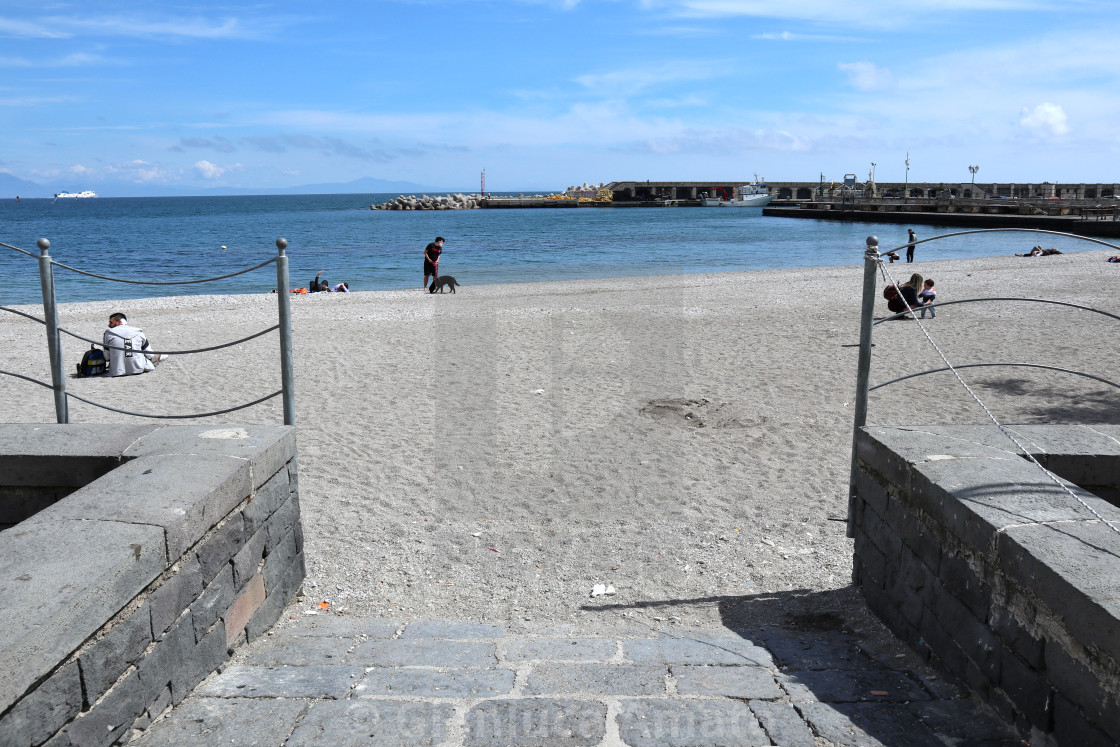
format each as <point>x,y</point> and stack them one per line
<point>132,360</point>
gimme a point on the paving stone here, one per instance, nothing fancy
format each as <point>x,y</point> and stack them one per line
<point>281,682</point>
<point>561,649</point>
<point>732,682</point>
<point>380,723</point>
<point>427,683</point>
<point>798,693</point>
<point>596,679</point>
<point>532,722</point>
<point>695,650</point>
<point>835,651</point>
<point>851,685</point>
<point>297,651</point>
<point>963,720</point>
<point>783,724</point>
<point>868,725</point>
<point>452,630</point>
<point>423,653</point>
<point>213,721</point>
<point>342,626</point>
<point>689,723</point>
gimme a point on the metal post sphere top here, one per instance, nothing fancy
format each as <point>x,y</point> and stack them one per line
<point>43,245</point>
<point>873,243</point>
<point>281,244</point>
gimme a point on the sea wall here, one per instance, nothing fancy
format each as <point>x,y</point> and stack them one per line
<point>424,202</point>
<point>138,559</point>
<point>976,558</point>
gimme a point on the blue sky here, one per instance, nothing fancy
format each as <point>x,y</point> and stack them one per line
<point>542,94</point>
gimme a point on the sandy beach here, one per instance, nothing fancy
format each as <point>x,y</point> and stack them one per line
<point>494,454</point>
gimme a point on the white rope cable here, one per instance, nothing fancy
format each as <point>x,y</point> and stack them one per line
<point>1053,478</point>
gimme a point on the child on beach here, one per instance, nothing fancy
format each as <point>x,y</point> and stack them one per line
<point>927,296</point>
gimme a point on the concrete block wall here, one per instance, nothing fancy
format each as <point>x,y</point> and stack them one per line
<point>978,560</point>
<point>173,546</point>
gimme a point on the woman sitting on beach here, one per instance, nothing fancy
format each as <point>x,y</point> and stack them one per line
<point>909,291</point>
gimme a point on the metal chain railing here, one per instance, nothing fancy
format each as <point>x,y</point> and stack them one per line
<point>873,262</point>
<point>103,344</point>
<point>58,376</point>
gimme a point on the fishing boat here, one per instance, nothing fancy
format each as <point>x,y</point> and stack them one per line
<point>754,194</point>
<point>85,193</point>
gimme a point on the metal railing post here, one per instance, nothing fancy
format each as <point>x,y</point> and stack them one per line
<point>50,317</point>
<point>863,367</point>
<point>284,305</point>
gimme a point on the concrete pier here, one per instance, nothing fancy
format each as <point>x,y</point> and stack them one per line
<point>1086,219</point>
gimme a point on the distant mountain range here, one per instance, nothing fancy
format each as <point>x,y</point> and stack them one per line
<point>12,186</point>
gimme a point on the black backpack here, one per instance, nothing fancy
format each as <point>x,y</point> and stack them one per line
<point>93,362</point>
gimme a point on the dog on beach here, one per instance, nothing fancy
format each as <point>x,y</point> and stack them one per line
<point>441,281</point>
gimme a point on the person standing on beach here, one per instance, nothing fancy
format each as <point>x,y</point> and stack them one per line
<point>125,346</point>
<point>927,297</point>
<point>431,260</point>
<point>910,240</point>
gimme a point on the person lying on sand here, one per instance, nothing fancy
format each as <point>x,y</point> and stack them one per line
<point>1038,251</point>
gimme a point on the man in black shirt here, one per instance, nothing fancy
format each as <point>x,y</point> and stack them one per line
<point>431,260</point>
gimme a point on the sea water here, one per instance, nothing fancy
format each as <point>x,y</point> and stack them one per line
<point>182,238</point>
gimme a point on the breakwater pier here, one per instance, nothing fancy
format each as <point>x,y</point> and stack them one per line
<point>1082,217</point>
<point>1082,208</point>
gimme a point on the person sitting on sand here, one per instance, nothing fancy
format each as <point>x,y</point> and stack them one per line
<point>125,346</point>
<point>909,291</point>
<point>341,288</point>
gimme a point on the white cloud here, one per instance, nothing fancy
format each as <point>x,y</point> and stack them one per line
<point>138,171</point>
<point>29,30</point>
<point>867,76</point>
<point>790,36</point>
<point>208,170</point>
<point>1044,120</point>
<point>77,59</point>
<point>634,80</point>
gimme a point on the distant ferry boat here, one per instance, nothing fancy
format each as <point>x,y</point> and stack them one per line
<point>86,193</point>
<point>746,195</point>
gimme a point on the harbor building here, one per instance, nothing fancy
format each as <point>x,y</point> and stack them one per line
<point>639,191</point>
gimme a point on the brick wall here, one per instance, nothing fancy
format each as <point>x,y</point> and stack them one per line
<point>120,598</point>
<point>975,558</point>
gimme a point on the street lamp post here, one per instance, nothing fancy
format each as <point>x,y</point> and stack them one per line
<point>906,184</point>
<point>972,170</point>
